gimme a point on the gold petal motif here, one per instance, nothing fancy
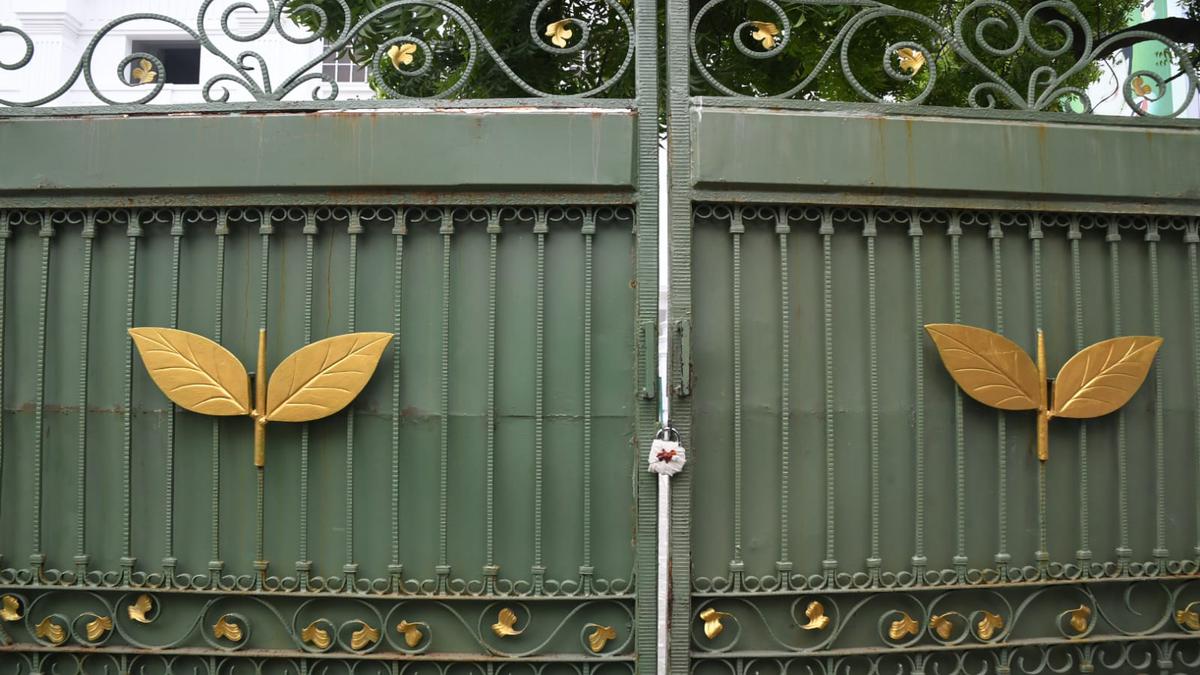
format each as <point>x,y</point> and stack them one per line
<point>315,636</point>
<point>224,628</point>
<point>364,636</point>
<point>48,630</point>
<point>942,625</point>
<point>712,622</point>
<point>911,59</point>
<point>600,637</point>
<point>10,608</point>
<point>144,72</point>
<point>402,54</point>
<point>411,632</point>
<point>559,32</point>
<point>96,628</point>
<point>193,371</point>
<point>904,626</point>
<point>1103,377</point>
<point>1140,87</point>
<point>1189,618</point>
<point>1080,619</point>
<point>765,32</point>
<point>816,616</point>
<point>140,608</point>
<point>989,367</point>
<point>320,379</point>
<point>989,624</point>
<point>504,624</point>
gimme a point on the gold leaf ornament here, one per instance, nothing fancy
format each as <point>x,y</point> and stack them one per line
<point>600,637</point>
<point>943,625</point>
<point>559,32</point>
<point>904,626</point>
<point>988,625</point>
<point>1189,618</point>
<point>227,630</point>
<point>816,616</point>
<point>140,608</point>
<point>988,367</point>
<point>96,628</point>
<point>10,608</point>
<point>505,622</point>
<point>364,636</point>
<point>402,54</point>
<point>1103,377</point>
<point>144,73</point>
<point>193,371</point>
<point>316,636</point>
<point>320,379</point>
<point>911,60</point>
<point>765,32</point>
<point>50,631</point>
<point>411,632</point>
<point>712,622</point>
<point>1140,87</point>
<point>1079,619</point>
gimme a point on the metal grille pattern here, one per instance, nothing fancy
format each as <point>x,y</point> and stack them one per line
<point>845,487</point>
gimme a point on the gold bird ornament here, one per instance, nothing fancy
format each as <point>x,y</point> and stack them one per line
<point>995,371</point>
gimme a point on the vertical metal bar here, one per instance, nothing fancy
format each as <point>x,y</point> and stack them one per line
<point>38,558</point>
<point>85,307</point>
<point>1083,556</point>
<point>5,233</point>
<point>1003,558</point>
<point>1124,552</point>
<point>303,563</point>
<point>875,562</point>
<point>1160,449</point>
<point>954,230</point>
<point>736,229</point>
<point>1191,238</point>
<point>830,564</point>
<point>132,232</point>
<point>399,229</point>
<point>215,565</point>
<point>443,567</point>
<point>491,569</point>
<point>169,560</point>
<point>589,233</point>
<point>782,229</point>
<point>919,560</point>
<point>265,230</point>
<point>353,229</point>
<point>1035,239</point>
<point>539,569</point>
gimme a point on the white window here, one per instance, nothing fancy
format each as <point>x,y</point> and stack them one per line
<point>339,67</point>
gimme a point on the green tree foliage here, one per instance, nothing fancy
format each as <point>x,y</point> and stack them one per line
<point>506,24</point>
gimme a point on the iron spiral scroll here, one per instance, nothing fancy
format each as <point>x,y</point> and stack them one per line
<point>250,72</point>
<point>1001,32</point>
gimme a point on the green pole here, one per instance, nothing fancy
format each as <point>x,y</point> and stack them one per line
<point>1152,57</point>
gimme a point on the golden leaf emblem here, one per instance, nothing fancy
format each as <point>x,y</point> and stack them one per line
<point>559,32</point>
<point>600,637</point>
<point>364,636</point>
<point>140,608</point>
<point>193,371</point>
<point>96,628</point>
<point>765,32</point>
<point>1189,618</point>
<point>988,625</point>
<point>504,624</point>
<point>320,379</point>
<point>816,616</point>
<point>911,59</point>
<point>712,622</point>
<point>144,72</point>
<point>1103,377</point>
<point>905,625</point>
<point>50,631</point>
<point>989,367</point>
<point>315,636</point>
<point>224,628</point>
<point>10,608</point>
<point>1080,618</point>
<point>1140,87</point>
<point>411,632</point>
<point>402,54</point>
<point>942,625</point>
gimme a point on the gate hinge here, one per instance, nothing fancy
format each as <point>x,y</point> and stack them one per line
<point>683,331</point>
<point>649,336</point>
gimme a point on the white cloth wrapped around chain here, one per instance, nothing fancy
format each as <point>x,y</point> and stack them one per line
<point>666,457</point>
